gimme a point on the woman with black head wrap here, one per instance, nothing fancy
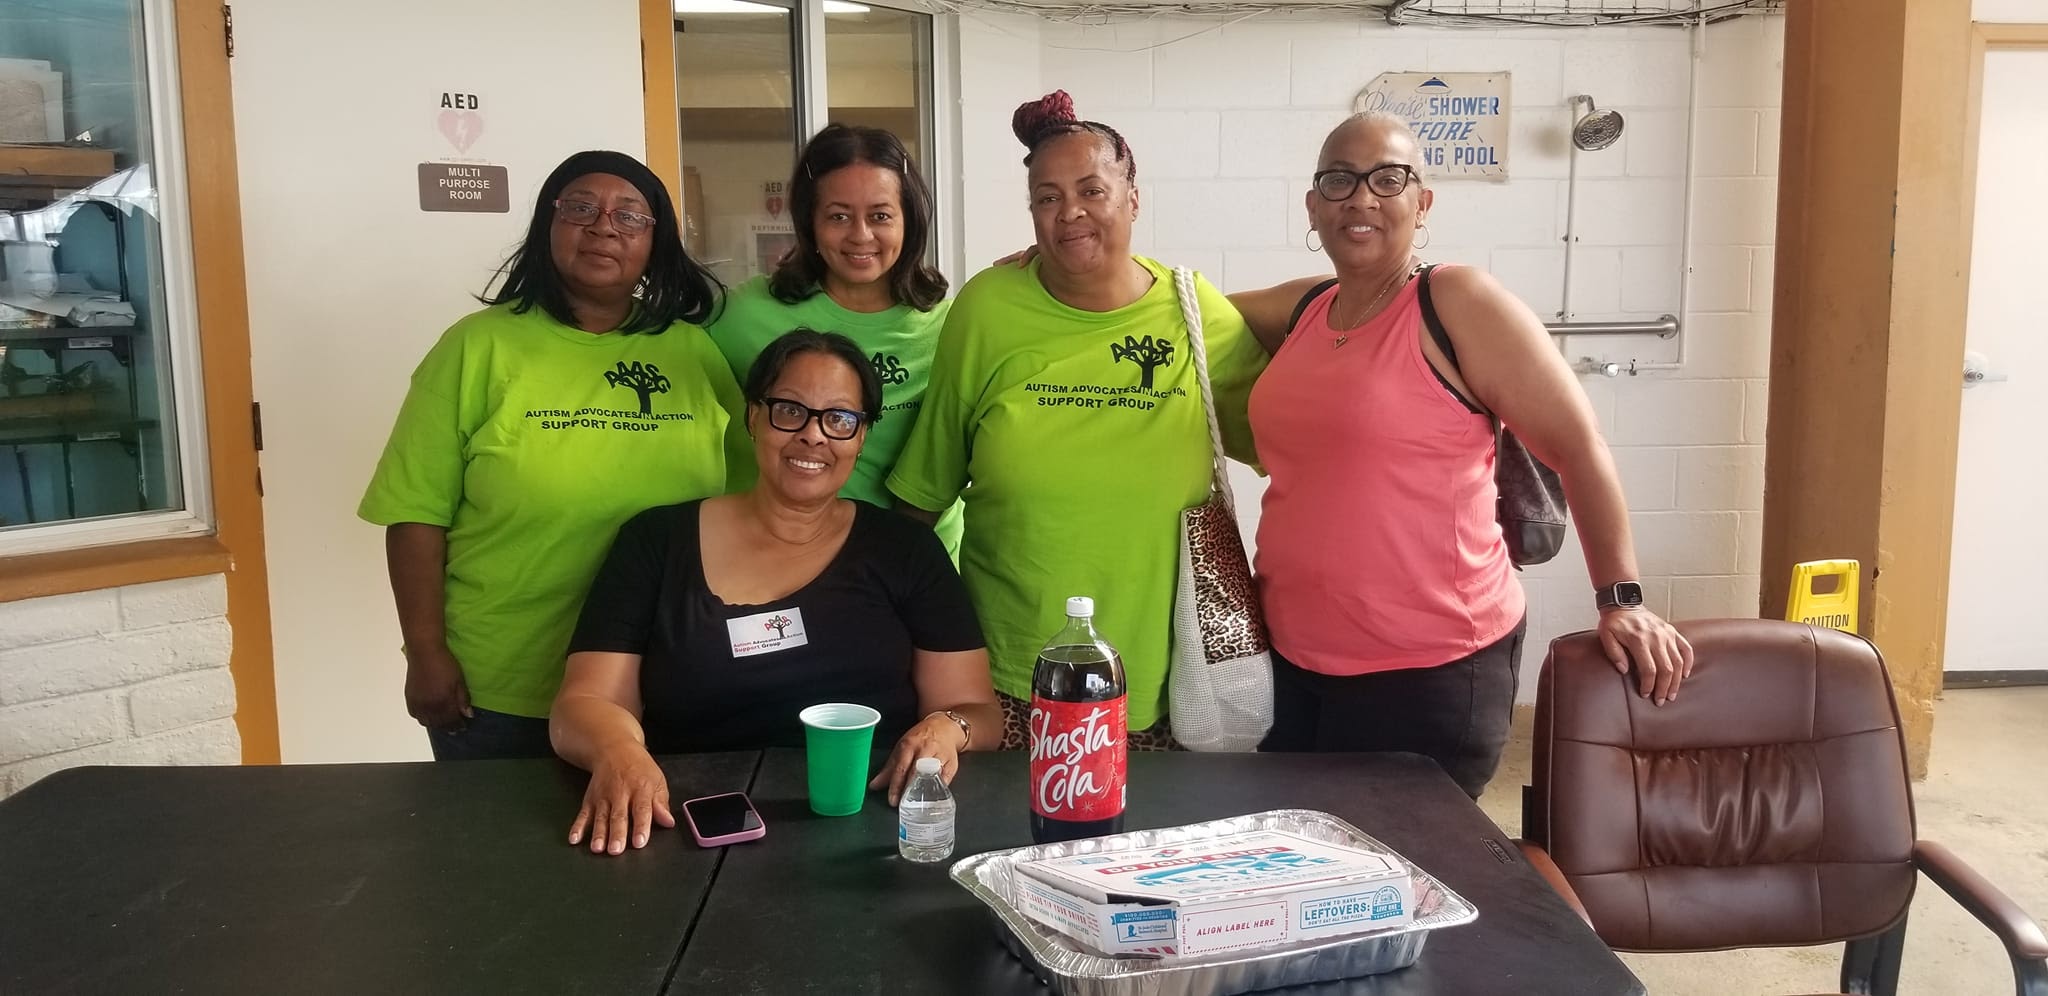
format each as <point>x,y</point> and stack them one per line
<point>585,392</point>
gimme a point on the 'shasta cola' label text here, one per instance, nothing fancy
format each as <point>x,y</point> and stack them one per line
<point>1077,759</point>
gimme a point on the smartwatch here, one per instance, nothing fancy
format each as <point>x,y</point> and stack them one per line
<point>1620,595</point>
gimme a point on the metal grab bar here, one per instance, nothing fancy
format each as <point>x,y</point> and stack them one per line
<point>1664,327</point>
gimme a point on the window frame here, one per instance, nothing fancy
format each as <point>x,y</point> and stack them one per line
<point>180,327</point>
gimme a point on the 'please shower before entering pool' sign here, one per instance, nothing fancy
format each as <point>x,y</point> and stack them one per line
<point>1461,118</point>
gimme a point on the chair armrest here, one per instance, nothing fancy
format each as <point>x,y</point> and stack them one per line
<point>1539,859</point>
<point>2023,937</point>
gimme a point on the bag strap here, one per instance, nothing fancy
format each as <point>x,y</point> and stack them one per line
<point>1191,315</point>
<point>1437,333</point>
<point>1301,306</point>
<point>1442,337</point>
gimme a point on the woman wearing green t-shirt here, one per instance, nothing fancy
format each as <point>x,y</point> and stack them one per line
<point>1062,391</point>
<point>532,429</point>
<point>863,216</point>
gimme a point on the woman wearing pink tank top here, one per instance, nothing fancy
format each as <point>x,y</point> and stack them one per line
<point>1396,618</point>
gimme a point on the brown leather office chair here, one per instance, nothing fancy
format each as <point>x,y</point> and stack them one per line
<point>1766,806</point>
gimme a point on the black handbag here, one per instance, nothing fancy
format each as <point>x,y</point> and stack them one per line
<point>1531,509</point>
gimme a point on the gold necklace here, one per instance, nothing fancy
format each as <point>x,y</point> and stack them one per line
<point>1399,279</point>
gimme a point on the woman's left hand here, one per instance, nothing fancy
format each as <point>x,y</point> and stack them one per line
<point>1661,656</point>
<point>1021,257</point>
<point>937,737</point>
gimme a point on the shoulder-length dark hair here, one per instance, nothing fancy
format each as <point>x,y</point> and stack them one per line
<point>675,287</point>
<point>802,273</point>
<point>798,341</point>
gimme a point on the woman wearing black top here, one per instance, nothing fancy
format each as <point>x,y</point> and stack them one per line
<point>713,623</point>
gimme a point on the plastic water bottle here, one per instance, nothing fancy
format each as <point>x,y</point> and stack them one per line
<point>924,831</point>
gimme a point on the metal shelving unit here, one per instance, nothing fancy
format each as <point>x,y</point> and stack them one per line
<point>32,175</point>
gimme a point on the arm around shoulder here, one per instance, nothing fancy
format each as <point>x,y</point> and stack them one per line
<point>1268,311</point>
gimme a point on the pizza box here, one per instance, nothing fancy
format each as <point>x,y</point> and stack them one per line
<point>1244,891</point>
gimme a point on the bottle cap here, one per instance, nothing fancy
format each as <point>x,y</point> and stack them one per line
<point>1080,606</point>
<point>929,765</point>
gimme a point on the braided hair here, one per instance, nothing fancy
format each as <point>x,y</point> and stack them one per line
<point>1040,121</point>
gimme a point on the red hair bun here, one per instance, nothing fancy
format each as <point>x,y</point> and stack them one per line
<point>1035,118</point>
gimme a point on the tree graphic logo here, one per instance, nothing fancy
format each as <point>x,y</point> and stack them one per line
<point>780,624</point>
<point>644,378</point>
<point>889,368</point>
<point>1148,353</point>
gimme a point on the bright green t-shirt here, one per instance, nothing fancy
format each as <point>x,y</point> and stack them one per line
<point>899,342</point>
<point>1083,438</point>
<point>532,442</point>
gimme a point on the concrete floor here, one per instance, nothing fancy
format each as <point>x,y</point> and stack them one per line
<point>1985,797</point>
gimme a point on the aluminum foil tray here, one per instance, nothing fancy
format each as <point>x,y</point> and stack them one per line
<point>1071,971</point>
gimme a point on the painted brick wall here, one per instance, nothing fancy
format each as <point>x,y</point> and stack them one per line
<point>1225,123</point>
<point>135,675</point>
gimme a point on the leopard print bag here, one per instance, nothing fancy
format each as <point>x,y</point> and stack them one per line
<point>1220,682</point>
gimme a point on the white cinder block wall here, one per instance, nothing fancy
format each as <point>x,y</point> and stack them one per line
<point>1226,122</point>
<point>135,675</point>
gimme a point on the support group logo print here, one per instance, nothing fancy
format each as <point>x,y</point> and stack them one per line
<point>1148,353</point>
<point>644,378</point>
<point>890,368</point>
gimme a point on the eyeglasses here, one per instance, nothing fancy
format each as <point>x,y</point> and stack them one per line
<point>583,214</point>
<point>1383,181</point>
<point>791,416</point>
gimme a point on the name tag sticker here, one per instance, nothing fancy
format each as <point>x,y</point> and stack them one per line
<point>767,632</point>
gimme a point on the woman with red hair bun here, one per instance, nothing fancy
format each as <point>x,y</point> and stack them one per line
<point>1064,410</point>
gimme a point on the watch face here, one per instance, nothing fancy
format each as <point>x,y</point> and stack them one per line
<point>1628,593</point>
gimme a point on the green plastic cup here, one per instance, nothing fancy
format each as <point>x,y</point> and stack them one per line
<point>838,739</point>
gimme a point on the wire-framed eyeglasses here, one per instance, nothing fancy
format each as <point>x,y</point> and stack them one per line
<point>583,214</point>
<point>1384,181</point>
<point>792,416</point>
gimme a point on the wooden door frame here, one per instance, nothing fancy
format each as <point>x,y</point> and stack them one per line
<point>206,97</point>
<point>658,92</point>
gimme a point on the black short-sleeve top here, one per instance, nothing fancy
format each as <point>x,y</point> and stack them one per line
<point>715,676</point>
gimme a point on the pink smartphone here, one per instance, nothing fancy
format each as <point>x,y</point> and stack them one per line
<point>716,820</point>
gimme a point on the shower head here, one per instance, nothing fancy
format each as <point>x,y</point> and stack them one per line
<point>1596,129</point>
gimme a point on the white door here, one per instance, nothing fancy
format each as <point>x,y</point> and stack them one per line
<point>350,282</point>
<point>2000,545</point>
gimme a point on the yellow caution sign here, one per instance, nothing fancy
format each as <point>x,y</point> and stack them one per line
<point>1824,594</point>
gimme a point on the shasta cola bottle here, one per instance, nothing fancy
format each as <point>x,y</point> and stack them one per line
<point>1078,759</point>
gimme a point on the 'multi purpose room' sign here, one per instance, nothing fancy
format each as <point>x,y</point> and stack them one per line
<point>1461,119</point>
<point>464,187</point>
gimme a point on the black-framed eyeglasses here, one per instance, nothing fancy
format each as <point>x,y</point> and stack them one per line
<point>583,214</point>
<point>792,416</point>
<point>1384,181</point>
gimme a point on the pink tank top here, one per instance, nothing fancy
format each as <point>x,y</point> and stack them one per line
<point>1377,545</point>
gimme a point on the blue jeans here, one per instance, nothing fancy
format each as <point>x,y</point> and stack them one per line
<point>488,735</point>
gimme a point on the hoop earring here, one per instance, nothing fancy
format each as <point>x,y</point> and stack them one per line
<point>1313,234</point>
<point>1424,229</point>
